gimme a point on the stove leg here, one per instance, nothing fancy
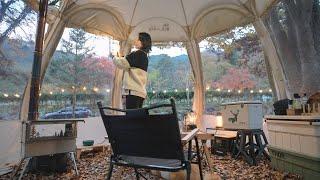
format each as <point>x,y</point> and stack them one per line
<point>27,160</point>
<point>74,162</point>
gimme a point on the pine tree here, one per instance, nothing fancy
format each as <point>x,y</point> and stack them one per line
<point>67,70</point>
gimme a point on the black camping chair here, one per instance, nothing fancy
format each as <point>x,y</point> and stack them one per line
<point>143,140</point>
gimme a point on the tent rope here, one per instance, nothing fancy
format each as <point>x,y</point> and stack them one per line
<point>133,13</point>
<point>252,12</point>
<point>185,17</point>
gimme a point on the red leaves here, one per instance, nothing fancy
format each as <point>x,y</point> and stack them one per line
<point>236,79</point>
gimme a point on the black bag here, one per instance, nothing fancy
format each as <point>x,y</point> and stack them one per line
<point>281,106</point>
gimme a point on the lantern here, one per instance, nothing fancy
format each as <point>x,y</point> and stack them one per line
<point>219,121</point>
<point>190,120</point>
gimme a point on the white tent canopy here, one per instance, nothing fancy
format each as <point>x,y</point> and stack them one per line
<point>165,20</point>
<point>187,21</point>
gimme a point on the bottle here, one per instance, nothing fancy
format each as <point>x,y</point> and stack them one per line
<point>296,101</point>
<point>304,99</point>
<point>290,104</point>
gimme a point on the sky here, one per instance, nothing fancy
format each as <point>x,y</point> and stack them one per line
<point>100,46</point>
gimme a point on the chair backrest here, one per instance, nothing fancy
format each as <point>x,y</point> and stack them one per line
<point>139,133</point>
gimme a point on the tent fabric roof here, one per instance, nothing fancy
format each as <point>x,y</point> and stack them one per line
<point>165,20</point>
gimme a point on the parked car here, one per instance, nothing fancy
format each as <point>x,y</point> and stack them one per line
<point>80,112</point>
<point>79,108</point>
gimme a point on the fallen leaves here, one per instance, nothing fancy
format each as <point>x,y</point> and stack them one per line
<point>96,165</point>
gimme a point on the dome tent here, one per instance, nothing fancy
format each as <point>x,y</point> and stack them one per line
<point>187,21</point>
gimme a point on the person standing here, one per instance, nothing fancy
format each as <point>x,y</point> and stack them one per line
<point>135,66</point>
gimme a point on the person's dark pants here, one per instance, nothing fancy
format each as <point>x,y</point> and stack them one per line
<point>134,102</point>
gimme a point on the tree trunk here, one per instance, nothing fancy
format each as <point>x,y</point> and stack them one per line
<point>286,50</point>
<point>74,101</point>
<point>302,13</point>
<point>297,42</point>
<point>315,24</point>
<point>14,24</point>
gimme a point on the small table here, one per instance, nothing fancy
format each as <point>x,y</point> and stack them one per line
<point>186,139</point>
<point>222,143</point>
<point>204,137</point>
<point>96,147</point>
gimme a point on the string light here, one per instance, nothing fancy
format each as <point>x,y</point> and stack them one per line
<point>165,91</point>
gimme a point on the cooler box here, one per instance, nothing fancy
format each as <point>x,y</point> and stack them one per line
<point>242,115</point>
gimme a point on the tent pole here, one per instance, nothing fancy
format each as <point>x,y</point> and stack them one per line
<point>37,58</point>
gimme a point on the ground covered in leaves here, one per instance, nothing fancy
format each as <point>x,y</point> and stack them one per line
<point>95,166</point>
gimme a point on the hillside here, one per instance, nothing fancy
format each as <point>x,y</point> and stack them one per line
<point>21,53</point>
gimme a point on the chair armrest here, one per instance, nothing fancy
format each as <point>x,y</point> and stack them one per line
<point>189,136</point>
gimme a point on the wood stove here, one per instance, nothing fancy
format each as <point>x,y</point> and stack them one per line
<point>49,137</point>
<point>45,137</point>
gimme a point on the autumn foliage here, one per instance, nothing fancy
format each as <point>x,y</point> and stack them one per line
<point>236,79</point>
<point>99,71</point>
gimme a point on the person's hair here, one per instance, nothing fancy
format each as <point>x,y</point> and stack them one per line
<point>146,42</point>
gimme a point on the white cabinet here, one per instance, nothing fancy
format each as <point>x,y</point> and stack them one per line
<point>299,134</point>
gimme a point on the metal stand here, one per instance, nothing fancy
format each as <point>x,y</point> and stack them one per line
<point>27,160</point>
<point>16,170</point>
<point>74,162</point>
<point>252,150</point>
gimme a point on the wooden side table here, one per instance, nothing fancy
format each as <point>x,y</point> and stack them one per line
<point>204,137</point>
<point>221,144</point>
